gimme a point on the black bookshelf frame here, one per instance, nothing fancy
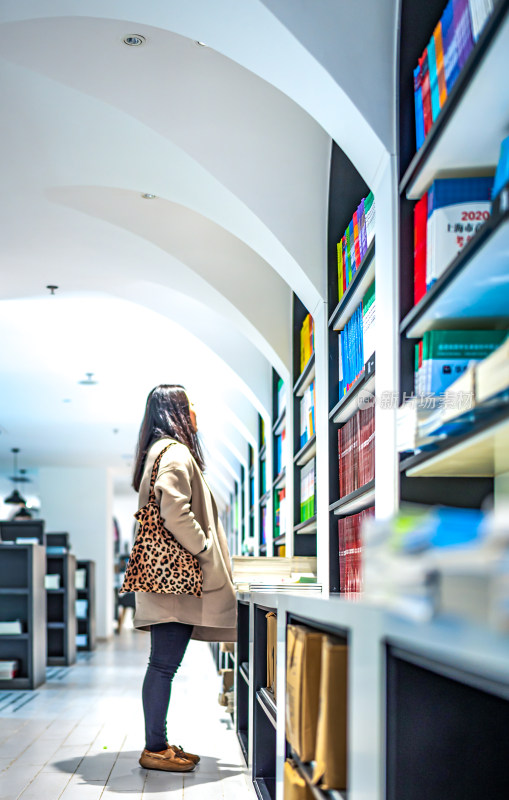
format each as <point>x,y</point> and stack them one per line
<point>61,610</point>
<point>279,479</point>
<point>417,23</point>
<point>346,188</point>
<point>87,626</point>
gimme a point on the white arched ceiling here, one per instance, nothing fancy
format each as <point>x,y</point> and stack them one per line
<point>99,426</point>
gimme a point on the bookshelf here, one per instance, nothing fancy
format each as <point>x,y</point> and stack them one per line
<point>264,491</point>
<point>459,469</point>
<point>61,610</point>
<point>85,625</point>
<point>279,432</point>
<point>23,597</point>
<point>304,456</point>
<point>346,190</point>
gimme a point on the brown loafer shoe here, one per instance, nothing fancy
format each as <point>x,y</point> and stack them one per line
<point>168,761</point>
<point>179,751</point>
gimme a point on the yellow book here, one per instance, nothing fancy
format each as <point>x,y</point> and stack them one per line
<point>439,55</point>
<point>340,270</point>
<point>302,362</point>
<point>305,337</point>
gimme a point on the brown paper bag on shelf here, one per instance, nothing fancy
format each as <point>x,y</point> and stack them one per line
<point>227,647</point>
<point>303,659</point>
<point>295,787</point>
<point>271,651</point>
<point>331,738</point>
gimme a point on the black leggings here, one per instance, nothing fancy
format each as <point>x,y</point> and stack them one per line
<point>169,641</point>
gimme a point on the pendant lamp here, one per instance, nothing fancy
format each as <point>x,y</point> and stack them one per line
<point>15,498</point>
<point>23,513</point>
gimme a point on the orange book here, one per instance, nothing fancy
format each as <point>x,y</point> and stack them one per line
<point>439,55</point>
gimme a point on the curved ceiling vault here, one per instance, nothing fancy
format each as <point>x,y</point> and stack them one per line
<point>233,139</point>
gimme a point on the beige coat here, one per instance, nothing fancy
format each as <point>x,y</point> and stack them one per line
<point>189,511</point>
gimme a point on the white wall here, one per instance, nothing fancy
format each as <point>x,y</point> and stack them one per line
<point>80,501</point>
<point>125,504</point>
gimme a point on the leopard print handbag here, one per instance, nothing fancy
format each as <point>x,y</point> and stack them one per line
<point>158,562</point>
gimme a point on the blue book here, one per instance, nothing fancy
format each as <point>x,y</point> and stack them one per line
<point>419,111</point>
<point>433,79</point>
<point>451,57</point>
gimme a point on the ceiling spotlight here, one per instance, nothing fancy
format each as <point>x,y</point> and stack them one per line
<point>52,288</point>
<point>148,196</point>
<point>134,39</point>
<point>201,44</point>
<point>66,400</point>
<point>88,380</point>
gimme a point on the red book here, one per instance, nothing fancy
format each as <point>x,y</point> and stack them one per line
<point>420,228</point>
<point>426,91</point>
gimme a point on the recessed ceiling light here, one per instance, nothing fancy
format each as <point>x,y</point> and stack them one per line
<point>148,196</point>
<point>201,44</point>
<point>134,39</point>
<point>88,380</point>
<point>66,400</point>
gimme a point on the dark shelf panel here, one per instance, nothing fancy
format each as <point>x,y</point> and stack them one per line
<point>460,138</point>
<point>308,526</point>
<point>56,591</point>
<point>56,624</point>
<point>18,636</point>
<point>306,453</point>
<point>305,378</point>
<point>354,293</point>
<point>473,287</point>
<point>265,498</point>
<point>14,591</point>
<point>279,424</point>
<point>265,788</point>
<point>266,700</point>
<point>262,453</point>
<point>355,501</point>
<point>15,683</point>
<point>244,671</point>
<point>243,741</point>
<point>280,540</point>
<point>263,549</point>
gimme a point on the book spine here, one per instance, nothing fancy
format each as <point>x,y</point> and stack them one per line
<point>426,92</point>
<point>340,270</point>
<point>463,30</point>
<point>419,113</point>
<point>433,79</point>
<point>362,229</point>
<point>348,257</point>
<point>451,64</point>
<point>356,239</point>
<point>352,248</point>
<point>439,53</point>
<point>420,226</point>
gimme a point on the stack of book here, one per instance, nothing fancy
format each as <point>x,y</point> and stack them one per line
<point>445,219</point>
<point>280,451</point>
<point>357,341</point>
<point>11,627</point>
<point>355,242</point>
<point>443,59</point>
<point>356,446</point>
<point>307,341</point>
<point>307,414</point>
<point>271,570</point>
<point>8,669</point>
<point>350,550</point>
<point>307,490</point>
<point>442,356</point>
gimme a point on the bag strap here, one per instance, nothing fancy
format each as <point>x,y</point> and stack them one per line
<point>155,470</point>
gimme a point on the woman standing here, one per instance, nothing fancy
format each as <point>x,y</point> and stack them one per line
<point>189,512</point>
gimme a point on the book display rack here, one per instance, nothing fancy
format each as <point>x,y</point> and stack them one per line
<point>264,492</point>
<point>279,445</point>
<point>61,610</point>
<point>23,601</point>
<point>347,397</point>
<point>85,606</point>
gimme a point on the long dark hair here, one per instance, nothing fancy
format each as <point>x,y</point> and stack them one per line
<point>166,414</point>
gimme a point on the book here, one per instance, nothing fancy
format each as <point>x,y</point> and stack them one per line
<point>492,374</point>
<point>307,490</point>
<point>447,354</point>
<point>9,669</point>
<point>356,451</point>
<point>451,58</point>
<point>426,92</point>
<point>10,627</point>
<point>341,288</point>
<point>419,111</point>
<point>420,227</point>
<point>502,173</point>
<point>457,208</point>
<point>480,11</point>
<point>357,241</point>
<point>439,54</point>
<point>462,30</point>
<point>369,207</point>
<point>281,397</point>
<point>368,324</point>
<point>433,79</point>
<point>351,550</point>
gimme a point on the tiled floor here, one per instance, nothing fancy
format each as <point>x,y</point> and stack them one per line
<point>80,735</point>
